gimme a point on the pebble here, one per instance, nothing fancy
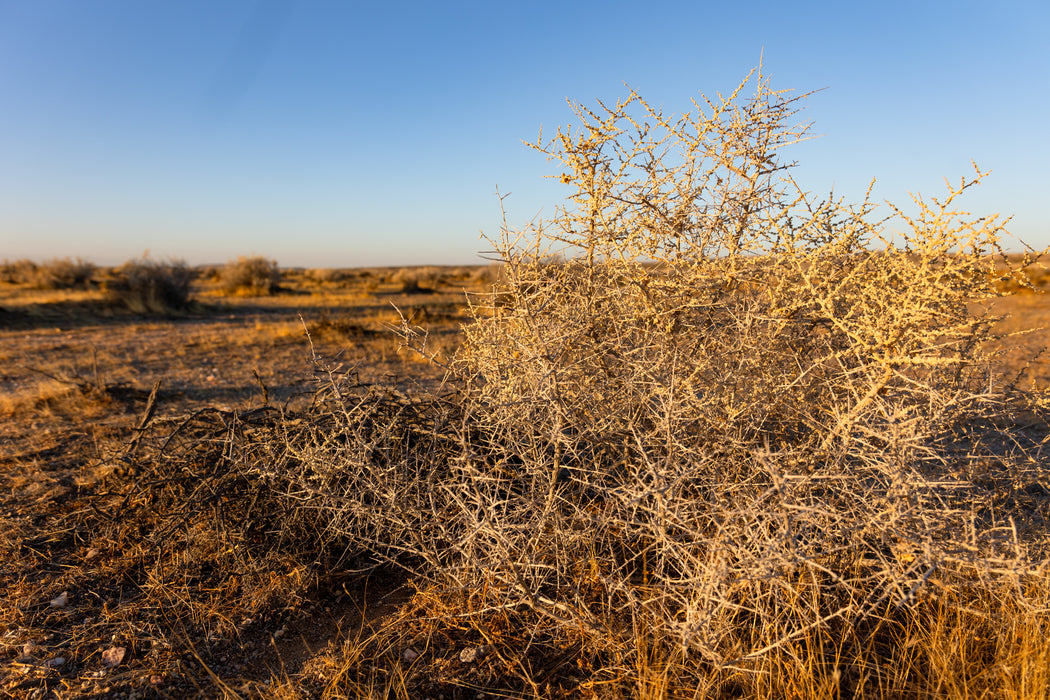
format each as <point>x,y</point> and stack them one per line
<point>472,654</point>
<point>112,656</point>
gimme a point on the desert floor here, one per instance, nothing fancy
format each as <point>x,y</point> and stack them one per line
<point>76,377</point>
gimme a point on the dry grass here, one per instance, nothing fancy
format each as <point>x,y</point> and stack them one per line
<point>149,286</point>
<point>58,273</point>
<point>250,276</point>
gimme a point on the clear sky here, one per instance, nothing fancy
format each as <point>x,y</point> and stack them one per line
<point>336,134</point>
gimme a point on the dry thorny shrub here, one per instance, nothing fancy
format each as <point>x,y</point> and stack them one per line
<point>734,422</point>
<point>737,407</point>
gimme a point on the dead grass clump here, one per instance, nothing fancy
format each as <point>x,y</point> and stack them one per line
<point>17,271</point>
<point>147,286</point>
<point>65,273</point>
<point>59,273</point>
<point>251,276</point>
<point>57,398</point>
<point>416,280</point>
<point>333,276</point>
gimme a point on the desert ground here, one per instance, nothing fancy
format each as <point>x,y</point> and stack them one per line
<point>97,596</point>
<point>76,377</point>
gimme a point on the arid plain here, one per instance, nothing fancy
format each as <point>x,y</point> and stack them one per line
<point>98,599</point>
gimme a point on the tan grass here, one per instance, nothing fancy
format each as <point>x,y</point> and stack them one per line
<point>250,276</point>
<point>57,273</point>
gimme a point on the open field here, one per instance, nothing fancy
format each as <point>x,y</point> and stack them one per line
<point>85,612</point>
<point>77,375</point>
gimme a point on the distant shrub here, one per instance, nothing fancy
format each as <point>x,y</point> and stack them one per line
<point>211,273</point>
<point>331,275</point>
<point>18,271</point>
<point>147,286</point>
<point>416,280</point>
<point>250,276</point>
<point>488,274</point>
<point>65,273</point>
<point>58,273</point>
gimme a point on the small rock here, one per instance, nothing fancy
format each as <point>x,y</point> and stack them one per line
<point>55,662</point>
<point>60,600</point>
<point>28,648</point>
<point>112,657</point>
<point>472,654</point>
<point>92,553</point>
<point>410,654</point>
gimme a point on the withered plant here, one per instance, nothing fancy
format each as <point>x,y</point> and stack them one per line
<point>150,286</point>
<point>709,434</point>
<point>253,275</point>
<point>737,413</point>
<point>58,273</point>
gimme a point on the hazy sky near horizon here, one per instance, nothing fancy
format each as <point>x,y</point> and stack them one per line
<point>337,134</point>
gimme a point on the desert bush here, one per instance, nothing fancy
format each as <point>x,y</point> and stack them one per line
<point>735,406</point>
<point>209,273</point>
<point>148,286</point>
<point>1022,274</point>
<point>65,273</point>
<point>714,426</point>
<point>333,276</point>
<point>417,280</point>
<point>17,271</point>
<point>251,276</point>
<point>59,273</point>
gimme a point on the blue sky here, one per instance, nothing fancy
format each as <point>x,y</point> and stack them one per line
<point>323,133</point>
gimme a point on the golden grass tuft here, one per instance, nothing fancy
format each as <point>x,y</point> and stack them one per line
<point>250,276</point>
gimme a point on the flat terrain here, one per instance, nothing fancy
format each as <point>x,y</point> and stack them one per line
<point>76,375</point>
<point>76,378</point>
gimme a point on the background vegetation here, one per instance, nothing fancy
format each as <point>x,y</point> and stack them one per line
<point>250,276</point>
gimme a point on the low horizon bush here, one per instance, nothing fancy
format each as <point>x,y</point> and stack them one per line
<point>250,276</point>
<point>149,286</point>
<point>56,273</point>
